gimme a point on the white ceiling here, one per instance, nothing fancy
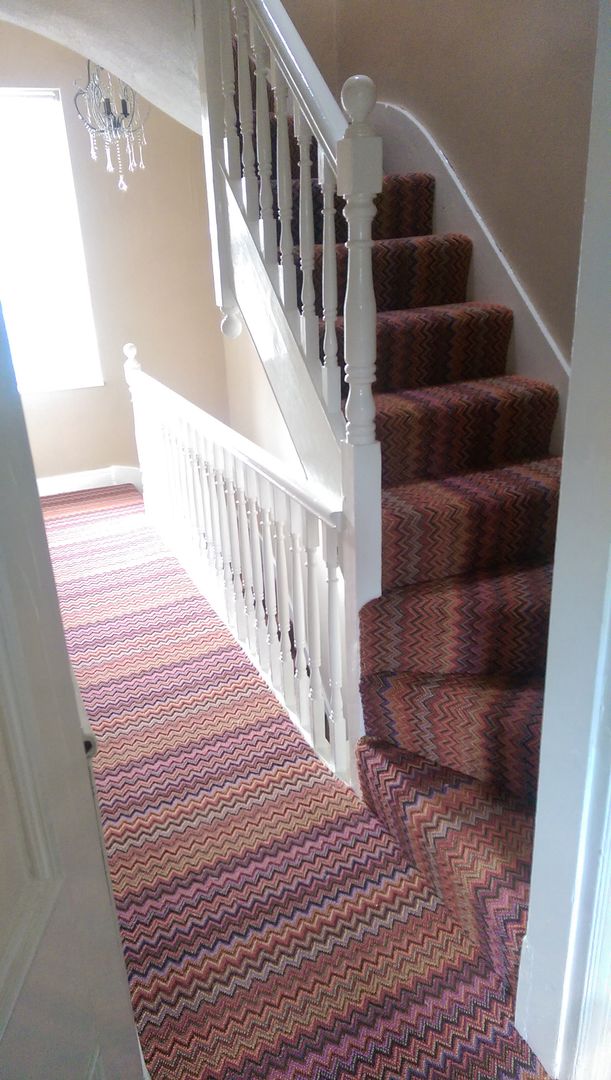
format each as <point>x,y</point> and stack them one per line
<point>149,43</point>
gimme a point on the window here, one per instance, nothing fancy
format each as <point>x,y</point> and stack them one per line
<point>43,276</point>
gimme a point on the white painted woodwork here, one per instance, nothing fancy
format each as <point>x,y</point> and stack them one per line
<point>228,82</point>
<point>250,192</point>
<point>64,1001</point>
<point>268,242</point>
<point>359,179</point>
<point>309,319</point>
<point>261,546</point>
<point>207,42</point>
<point>284,197</point>
<point>310,427</point>
<point>563,995</point>
<point>331,378</point>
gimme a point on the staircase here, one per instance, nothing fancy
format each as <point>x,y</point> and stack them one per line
<point>430,552</point>
<point>453,651</point>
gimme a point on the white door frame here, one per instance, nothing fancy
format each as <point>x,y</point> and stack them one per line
<point>566,955</point>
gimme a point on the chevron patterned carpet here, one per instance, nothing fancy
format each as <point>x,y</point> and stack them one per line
<point>271,928</point>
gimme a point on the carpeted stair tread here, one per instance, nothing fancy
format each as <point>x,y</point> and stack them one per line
<point>442,528</point>
<point>491,623</point>
<point>474,849</point>
<point>404,208</point>
<point>485,727</point>
<point>408,272</point>
<point>446,343</point>
<point>480,424</point>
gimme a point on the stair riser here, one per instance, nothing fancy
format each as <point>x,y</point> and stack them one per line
<point>484,626</point>
<point>488,729</point>
<point>432,433</point>
<point>404,208</point>
<point>474,852</point>
<point>469,523</point>
<point>432,346</point>
<point>408,273</point>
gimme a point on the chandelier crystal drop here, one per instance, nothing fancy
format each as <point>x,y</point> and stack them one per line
<point>110,111</point>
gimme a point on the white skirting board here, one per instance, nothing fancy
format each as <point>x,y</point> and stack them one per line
<point>91,478</point>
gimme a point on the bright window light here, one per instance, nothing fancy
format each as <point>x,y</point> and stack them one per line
<point>43,276</point>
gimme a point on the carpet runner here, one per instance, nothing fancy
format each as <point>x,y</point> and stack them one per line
<point>453,652</point>
<point>271,927</point>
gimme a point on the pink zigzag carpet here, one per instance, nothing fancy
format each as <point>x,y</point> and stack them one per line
<point>271,927</point>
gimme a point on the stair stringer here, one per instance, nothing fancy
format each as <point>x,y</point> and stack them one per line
<point>310,429</point>
<point>409,147</point>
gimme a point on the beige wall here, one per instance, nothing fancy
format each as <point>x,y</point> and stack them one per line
<point>148,256</point>
<point>505,88</point>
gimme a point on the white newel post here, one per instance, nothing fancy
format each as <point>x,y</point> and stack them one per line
<point>359,179</point>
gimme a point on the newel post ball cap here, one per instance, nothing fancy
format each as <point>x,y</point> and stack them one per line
<point>130,352</point>
<point>358,98</point>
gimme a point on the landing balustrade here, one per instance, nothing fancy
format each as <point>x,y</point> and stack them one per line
<point>288,175</point>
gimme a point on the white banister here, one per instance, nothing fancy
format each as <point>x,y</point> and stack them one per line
<point>262,546</point>
<point>288,579</point>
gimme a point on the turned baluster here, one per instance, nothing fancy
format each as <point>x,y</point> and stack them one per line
<point>252,493</point>
<point>268,241</point>
<point>269,579</point>
<point>359,172</point>
<point>312,539</point>
<point>284,609</point>
<point>244,526</point>
<point>214,510</point>
<point>331,382</point>
<point>202,455</point>
<point>299,621</point>
<point>309,319</point>
<point>234,539</point>
<point>228,577</point>
<point>232,142</point>
<point>284,198</point>
<point>337,719</point>
<point>250,187</point>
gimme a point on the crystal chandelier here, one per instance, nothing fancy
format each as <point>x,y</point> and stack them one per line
<point>110,111</point>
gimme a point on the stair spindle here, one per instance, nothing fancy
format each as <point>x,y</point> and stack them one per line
<point>337,719</point>
<point>312,539</point>
<point>228,573</point>
<point>246,558</point>
<point>232,142</point>
<point>359,179</point>
<point>299,620</point>
<point>284,199</point>
<point>234,540</point>
<point>284,611</point>
<point>309,319</point>
<point>330,373</point>
<point>252,493</point>
<point>268,241</point>
<point>250,187</point>
<point>269,580</point>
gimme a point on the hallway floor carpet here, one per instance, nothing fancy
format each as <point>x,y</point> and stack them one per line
<point>270,925</point>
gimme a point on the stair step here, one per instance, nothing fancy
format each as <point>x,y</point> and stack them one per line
<point>486,624</point>
<point>488,728</point>
<point>459,427</point>
<point>472,848</point>
<point>410,272</point>
<point>435,345</point>
<point>441,528</point>
<point>404,208</point>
